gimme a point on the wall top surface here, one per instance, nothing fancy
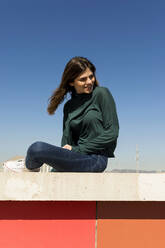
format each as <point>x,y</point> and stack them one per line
<point>82,186</point>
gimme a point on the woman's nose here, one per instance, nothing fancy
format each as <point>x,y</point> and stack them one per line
<point>89,80</point>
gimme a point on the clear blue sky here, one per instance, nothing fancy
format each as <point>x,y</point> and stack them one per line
<point>126,42</point>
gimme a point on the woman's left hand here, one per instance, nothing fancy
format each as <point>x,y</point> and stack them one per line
<point>67,147</point>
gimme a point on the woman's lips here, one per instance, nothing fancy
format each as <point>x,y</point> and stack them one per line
<point>89,87</point>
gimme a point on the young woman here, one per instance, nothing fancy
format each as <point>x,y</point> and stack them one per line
<point>90,124</point>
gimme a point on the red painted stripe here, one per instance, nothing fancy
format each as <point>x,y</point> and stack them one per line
<point>47,224</point>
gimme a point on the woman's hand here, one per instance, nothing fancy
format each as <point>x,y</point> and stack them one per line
<point>67,147</point>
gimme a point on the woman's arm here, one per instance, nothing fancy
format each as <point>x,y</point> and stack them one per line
<point>64,139</point>
<point>110,126</point>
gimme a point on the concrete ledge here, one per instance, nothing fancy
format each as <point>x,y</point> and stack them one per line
<point>82,186</point>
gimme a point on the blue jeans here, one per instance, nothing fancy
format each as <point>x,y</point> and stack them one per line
<point>63,160</point>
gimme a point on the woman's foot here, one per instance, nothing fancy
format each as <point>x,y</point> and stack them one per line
<point>33,170</point>
<point>17,166</point>
<point>14,165</point>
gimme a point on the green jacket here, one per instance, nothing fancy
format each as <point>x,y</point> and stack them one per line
<point>90,123</point>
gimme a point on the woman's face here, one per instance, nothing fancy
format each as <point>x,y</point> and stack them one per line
<point>84,82</point>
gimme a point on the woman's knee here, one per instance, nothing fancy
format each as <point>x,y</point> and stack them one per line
<point>35,148</point>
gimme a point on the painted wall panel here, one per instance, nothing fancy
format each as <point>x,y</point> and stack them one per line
<point>47,224</point>
<point>131,224</point>
<point>131,233</point>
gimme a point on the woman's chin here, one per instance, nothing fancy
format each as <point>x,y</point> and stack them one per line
<point>88,91</point>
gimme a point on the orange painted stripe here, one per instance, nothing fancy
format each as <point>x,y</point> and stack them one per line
<point>130,224</point>
<point>131,233</point>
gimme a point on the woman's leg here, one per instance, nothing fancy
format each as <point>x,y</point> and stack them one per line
<point>62,159</point>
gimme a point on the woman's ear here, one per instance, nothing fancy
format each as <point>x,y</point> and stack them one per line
<point>71,84</point>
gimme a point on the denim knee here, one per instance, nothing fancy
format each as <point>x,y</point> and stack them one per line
<point>35,148</point>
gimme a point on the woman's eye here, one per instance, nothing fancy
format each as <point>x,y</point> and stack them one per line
<point>85,78</point>
<point>82,79</point>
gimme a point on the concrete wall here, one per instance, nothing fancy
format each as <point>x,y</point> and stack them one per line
<point>33,213</point>
<point>82,186</point>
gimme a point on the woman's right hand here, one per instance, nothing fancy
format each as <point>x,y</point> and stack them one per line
<point>67,147</point>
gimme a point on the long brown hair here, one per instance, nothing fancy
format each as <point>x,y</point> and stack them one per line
<point>73,69</point>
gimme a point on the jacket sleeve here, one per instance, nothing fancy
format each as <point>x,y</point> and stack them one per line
<point>110,126</point>
<point>64,139</point>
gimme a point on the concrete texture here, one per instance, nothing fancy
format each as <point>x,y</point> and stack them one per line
<point>82,186</point>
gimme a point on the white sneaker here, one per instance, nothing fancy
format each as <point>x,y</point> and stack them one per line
<point>14,165</point>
